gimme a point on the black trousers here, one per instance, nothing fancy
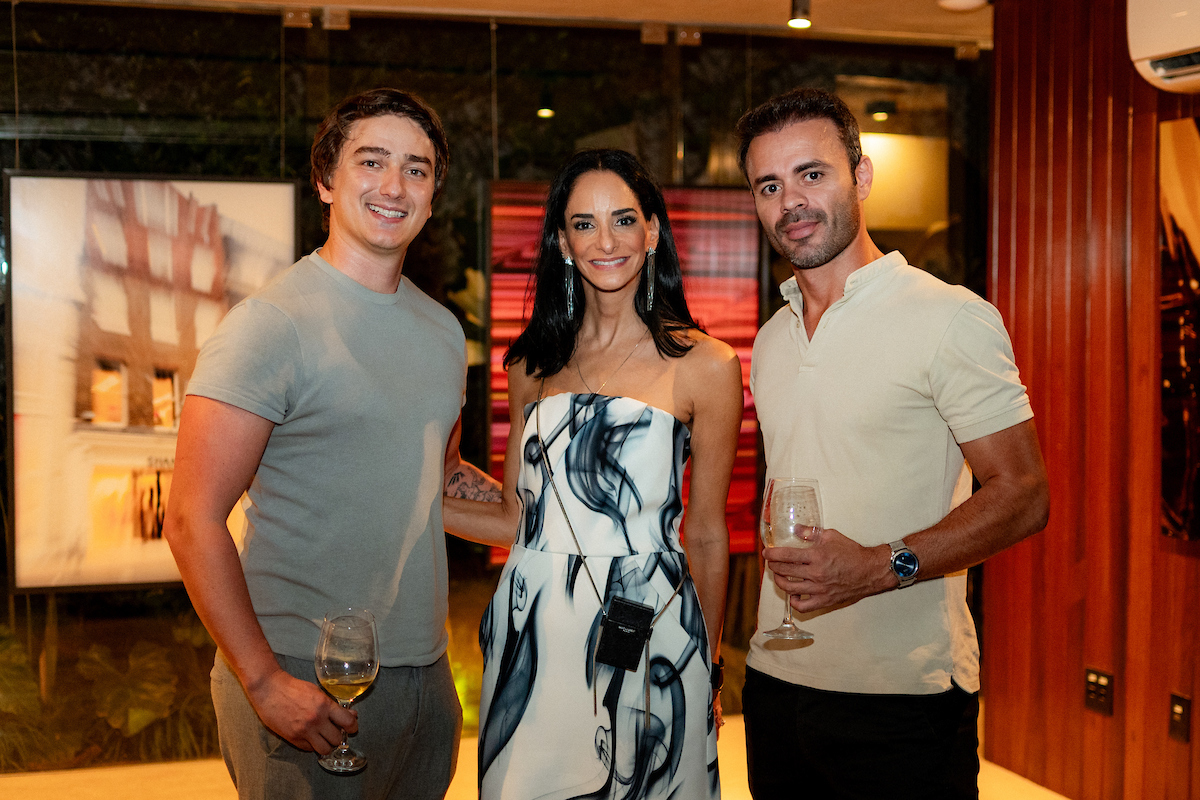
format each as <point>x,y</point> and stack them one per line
<point>807,743</point>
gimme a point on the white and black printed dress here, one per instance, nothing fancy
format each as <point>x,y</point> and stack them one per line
<point>551,727</point>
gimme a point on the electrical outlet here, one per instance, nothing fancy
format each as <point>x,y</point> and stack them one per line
<point>1180,727</point>
<point>1100,688</point>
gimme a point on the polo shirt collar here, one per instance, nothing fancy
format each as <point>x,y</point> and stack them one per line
<point>857,280</point>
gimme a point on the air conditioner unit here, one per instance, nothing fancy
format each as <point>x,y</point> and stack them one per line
<point>1164,42</point>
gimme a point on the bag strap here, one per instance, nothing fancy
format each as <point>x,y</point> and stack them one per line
<point>537,410</point>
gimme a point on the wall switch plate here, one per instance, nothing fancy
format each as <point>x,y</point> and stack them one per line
<point>1100,689</point>
<point>1180,727</point>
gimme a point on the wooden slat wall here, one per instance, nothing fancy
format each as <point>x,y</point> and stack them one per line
<point>1074,270</point>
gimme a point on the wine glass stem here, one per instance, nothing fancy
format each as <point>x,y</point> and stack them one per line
<point>787,620</point>
<point>344,745</point>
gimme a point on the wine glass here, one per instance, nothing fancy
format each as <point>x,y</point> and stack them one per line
<point>347,661</point>
<point>791,513</point>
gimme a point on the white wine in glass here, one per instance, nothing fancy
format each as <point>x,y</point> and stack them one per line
<point>791,514</point>
<point>347,661</point>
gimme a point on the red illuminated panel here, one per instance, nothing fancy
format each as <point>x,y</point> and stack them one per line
<point>716,233</point>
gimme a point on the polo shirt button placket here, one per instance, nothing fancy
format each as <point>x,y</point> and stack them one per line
<point>803,346</point>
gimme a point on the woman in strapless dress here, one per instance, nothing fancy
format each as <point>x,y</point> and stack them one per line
<point>599,644</point>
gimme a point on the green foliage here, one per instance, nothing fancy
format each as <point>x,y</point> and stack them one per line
<point>29,739</point>
<point>18,686</point>
<point>138,685</point>
<point>20,711</point>
<point>190,630</point>
<point>133,699</point>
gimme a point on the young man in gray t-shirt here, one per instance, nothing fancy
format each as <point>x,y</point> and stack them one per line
<point>331,398</point>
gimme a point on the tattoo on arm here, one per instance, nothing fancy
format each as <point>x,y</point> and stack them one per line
<point>471,483</point>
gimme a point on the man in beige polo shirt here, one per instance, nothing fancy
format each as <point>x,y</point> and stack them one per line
<point>877,380</point>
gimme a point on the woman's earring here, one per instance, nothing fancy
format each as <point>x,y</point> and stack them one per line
<point>650,279</point>
<point>570,286</point>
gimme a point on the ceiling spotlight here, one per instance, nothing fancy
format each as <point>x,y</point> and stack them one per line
<point>801,14</point>
<point>880,110</point>
<point>546,104</point>
<point>962,5</point>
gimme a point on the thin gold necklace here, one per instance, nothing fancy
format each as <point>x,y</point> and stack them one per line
<point>614,372</point>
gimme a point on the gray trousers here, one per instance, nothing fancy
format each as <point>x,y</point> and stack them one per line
<point>408,728</point>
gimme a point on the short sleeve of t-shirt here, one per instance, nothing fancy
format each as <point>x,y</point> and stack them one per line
<point>252,361</point>
<point>974,378</point>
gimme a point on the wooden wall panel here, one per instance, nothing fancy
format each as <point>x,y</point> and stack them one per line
<point>1074,270</point>
<point>1044,197</point>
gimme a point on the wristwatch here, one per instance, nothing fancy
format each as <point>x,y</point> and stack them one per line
<point>904,563</point>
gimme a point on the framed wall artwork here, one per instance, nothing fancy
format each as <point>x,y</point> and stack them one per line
<point>1179,245</point>
<point>114,283</point>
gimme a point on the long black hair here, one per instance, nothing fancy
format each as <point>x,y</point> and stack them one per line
<point>548,341</point>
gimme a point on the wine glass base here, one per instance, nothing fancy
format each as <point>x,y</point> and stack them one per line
<point>789,633</point>
<point>343,761</point>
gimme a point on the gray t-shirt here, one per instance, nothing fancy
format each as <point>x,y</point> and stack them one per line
<point>346,506</point>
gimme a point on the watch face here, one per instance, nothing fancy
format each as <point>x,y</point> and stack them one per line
<point>904,564</point>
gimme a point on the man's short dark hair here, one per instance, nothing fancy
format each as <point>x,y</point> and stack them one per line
<point>335,129</point>
<point>799,105</point>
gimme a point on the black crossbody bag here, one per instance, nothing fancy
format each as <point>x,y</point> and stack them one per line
<point>626,625</point>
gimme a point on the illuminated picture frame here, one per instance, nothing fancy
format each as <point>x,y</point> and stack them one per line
<point>113,284</point>
<point>1179,301</point>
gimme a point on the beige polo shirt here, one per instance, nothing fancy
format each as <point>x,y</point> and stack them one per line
<point>898,372</point>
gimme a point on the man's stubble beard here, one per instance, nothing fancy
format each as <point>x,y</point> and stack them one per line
<point>847,217</point>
